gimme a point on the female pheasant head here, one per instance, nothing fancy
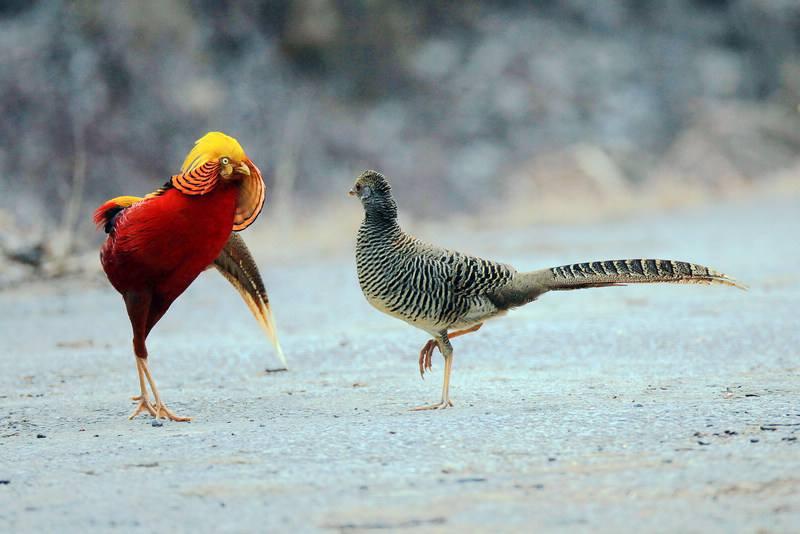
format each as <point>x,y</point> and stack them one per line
<point>218,158</point>
<point>375,194</point>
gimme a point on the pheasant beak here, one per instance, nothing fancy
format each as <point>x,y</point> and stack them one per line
<point>352,192</point>
<point>243,169</point>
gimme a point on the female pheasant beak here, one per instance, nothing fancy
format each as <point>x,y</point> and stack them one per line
<point>360,190</point>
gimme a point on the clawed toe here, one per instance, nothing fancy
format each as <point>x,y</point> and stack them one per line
<point>425,356</point>
<point>162,412</point>
<point>144,406</point>
<point>438,406</point>
<point>158,410</point>
<point>429,355</point>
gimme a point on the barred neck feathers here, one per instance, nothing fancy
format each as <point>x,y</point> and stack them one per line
<point>380,207</point>
<point>375,193</point>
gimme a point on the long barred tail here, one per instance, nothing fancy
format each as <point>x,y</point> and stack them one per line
<point>638,271</point>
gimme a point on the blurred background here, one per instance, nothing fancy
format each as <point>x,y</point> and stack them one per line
<point>494,113</point>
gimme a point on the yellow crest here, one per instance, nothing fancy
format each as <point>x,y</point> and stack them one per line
<point>211,147</point>
<point>200,174</point>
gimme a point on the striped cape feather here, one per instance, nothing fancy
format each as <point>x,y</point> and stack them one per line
<point>200,174</point>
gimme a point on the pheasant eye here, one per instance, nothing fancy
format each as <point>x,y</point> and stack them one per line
<point>225,161</point>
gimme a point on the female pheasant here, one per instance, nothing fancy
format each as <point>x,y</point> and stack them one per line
<point>158,245</point>
<point>448,294</point>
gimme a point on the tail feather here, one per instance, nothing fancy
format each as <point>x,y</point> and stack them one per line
<point>633,271</point>
<point>104,215</point>
<point>237,265</point>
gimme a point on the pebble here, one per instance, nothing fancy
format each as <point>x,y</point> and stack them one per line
<point>156,422</point>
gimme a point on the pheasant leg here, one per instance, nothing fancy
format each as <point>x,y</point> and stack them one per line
<point>160,409</point>
<point>465,331</point>
<point>426,353</point>
<point>144,401</point>
<point>447,351</point>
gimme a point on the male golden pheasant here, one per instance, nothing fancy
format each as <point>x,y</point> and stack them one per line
<point>158,245</point>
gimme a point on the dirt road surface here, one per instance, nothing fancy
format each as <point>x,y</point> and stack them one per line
<point>669,408</point>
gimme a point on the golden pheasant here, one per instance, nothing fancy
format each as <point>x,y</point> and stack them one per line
<point>158,245</point>
<point>448,294</point>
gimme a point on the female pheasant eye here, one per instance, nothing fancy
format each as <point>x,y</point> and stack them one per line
<point>224,161</point>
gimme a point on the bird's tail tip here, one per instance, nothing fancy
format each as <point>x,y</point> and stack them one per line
<point>280,354</point>
<point>269,324</point>
<point>716,277</point>
<point>729,281</point>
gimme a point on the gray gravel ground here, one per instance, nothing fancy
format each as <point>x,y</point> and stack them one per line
<point>670,408</point>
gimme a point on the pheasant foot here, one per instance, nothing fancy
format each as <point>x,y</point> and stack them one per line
<point>162,412</point>
<point>442,405</point>
<point>144,406</point>
<point>425,356</point>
